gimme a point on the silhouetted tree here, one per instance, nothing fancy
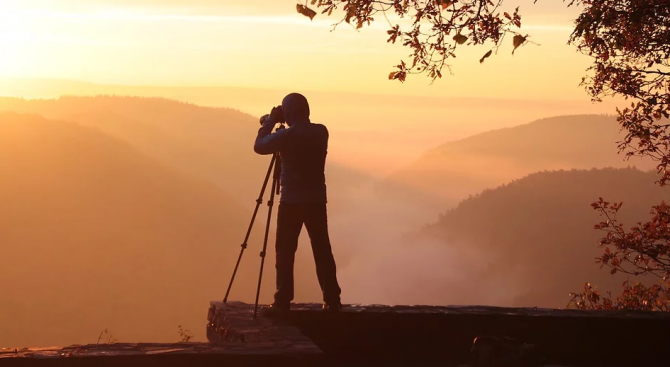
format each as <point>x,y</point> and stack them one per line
<point>629,42</point>
<point>642,250</point>
<point>437,27</point>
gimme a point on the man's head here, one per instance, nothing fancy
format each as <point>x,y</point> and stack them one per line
<point>296,109</point>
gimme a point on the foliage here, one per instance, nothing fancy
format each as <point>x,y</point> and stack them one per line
<point>629,42</point>
<point>636,296</point>
<point>642,250</point>
<point>185,335</point>
<point>437,28</point>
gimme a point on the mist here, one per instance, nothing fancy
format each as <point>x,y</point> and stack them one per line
<point>375,133</point>
<point>139,248</point>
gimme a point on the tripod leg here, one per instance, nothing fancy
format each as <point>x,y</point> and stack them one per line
<point>265,242</point>
<point>251,224</point>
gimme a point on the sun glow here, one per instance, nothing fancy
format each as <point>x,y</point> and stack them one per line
<point>185,45</point>
<point>17,37</point>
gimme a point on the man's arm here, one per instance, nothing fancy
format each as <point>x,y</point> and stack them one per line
<point>268,142</point>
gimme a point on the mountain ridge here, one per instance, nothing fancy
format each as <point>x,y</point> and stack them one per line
<point>109,237</point>
<point>529,231</point>
<point>451,171</point>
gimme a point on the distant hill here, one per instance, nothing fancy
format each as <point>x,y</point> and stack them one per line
<point>374,133</point>
<point>454,170</point>
<point>95,234</point>
<point>210,143</point>
<point>526,243</point>
<point>197,140</point>
<point>213,144</point>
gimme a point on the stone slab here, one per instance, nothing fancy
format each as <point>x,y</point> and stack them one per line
<point>136,349</point>
<point>367,335</point>
<point>443,335</point>
<point>233,322</point>
<point>379,335</point>
<point>488,310</point>
<point>156,354</point>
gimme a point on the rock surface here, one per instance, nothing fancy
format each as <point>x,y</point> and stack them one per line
<point>389,336</point>
<point>234,323</point>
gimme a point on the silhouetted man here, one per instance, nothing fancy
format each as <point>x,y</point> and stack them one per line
<point>302,147</point>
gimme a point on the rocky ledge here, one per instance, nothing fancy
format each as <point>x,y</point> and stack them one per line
<point>389,336</point>
<point>453,335</point>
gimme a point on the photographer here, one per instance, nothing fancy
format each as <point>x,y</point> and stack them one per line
<point>302,147</point>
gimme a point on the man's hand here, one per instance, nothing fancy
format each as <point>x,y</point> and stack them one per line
<point>268,142</point>
<point>277,115</point>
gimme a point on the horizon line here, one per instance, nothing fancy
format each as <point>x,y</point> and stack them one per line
<point>269,89</point>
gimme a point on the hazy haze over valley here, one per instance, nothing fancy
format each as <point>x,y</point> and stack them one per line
<point>91,188</point>
<point>377,133</point>
<point>127,174</point>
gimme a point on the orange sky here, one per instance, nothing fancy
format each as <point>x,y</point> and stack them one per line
<point>265,43</point>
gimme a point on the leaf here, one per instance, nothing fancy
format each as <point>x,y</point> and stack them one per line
<point>350,14</point>
<point>352,9</point>
<point>399,75</point>
<point>508,16</point>
<point>446,3</point>
<point>485,56</point>
<point>613,271</point>
<point>518,41</point>
<point>460,39</point>
<point>306,11</point>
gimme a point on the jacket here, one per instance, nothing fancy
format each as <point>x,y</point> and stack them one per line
<point>303,148</point>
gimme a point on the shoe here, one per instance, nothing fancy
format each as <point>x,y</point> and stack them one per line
<point>276,311</point>
<point>332,307</point>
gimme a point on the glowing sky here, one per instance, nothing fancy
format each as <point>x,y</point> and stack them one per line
<point>265,43</point>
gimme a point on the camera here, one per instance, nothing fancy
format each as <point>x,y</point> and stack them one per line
<point>277,113</point>
<point>263,118</point>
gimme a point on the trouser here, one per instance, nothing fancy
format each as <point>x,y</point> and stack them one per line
<point>290,219</point>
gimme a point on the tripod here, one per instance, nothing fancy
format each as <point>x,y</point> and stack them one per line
<point>276,164</point>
